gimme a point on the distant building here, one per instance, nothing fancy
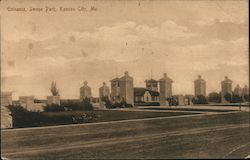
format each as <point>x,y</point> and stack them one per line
<point>85,91</point>
<point>127,88</point>
<point>238,90</point>
<point>143,95</point>
<point>226,87</point>
<point>245,90</point>
<point>152,85</point>
<point>165,89</point>
<point>6,98</point>
<point>199,87</point>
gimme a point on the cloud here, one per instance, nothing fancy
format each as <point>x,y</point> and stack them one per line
<point>99,55</point>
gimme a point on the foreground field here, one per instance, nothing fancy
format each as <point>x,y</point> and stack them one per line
<point>200,136</point>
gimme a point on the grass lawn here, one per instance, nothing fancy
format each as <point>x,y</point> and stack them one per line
<point>211,136</point>
<point>76,117</point>
<point>114,115</point>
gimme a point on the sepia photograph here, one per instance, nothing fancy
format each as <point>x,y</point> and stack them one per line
<point>124,79</point>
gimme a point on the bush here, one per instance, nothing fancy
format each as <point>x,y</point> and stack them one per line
<point>214,97</point>
<point>228,97</point>
<point>237,98</point>
<point>107,102</point>
<point>246,97</point>
<point>24,118</point>
<point>84,105</point>
<point>54,108</point>
<point>200,99</point>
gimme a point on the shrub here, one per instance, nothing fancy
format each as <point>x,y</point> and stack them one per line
<point>228,97</point>
<point>54,108</point>
<point>24,118</point>
<point>237,98</point>
<point>84,105</point>
<point>200,99</point>
<point>214,97</point>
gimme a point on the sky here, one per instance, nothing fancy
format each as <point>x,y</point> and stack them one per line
<point>182,38</point>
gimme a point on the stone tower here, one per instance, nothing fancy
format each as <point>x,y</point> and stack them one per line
<point>226,87</point>
<point>152,85</point>
<point>104,91</point>
<point>115,89</point>
<point>199,87</point>
<point>85,91</point>
<point>165,89</point>
<point>127,88</point>
<point>238,90</point>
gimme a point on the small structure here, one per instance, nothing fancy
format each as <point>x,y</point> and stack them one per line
<point>180,100</point>
<point>55,98</point>
<point>189,99</point>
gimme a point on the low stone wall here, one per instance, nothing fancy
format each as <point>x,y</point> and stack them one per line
<point>6,118</point>
<point>245,108</point>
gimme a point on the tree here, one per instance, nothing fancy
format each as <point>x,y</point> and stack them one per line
<point>246,97</point>
<point>200,99</point>
<point>53,89</point>
<point>84,105</point>
<point>237,98</point>
<point>214,97</point>
<point>228,97</point>
<point>106,101</point>
<point>53,108</point>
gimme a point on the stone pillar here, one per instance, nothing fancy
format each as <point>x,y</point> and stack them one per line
<point>53,100</point>
<point>104,92</point>
<point>27,102</point>
<point>6,118</point>
<point>127,88</point>
<point>165,89</point>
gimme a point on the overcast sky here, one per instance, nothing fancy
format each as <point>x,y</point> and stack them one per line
<point>182,38</point>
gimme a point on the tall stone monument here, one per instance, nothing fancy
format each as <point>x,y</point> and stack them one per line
<point>27,102</point>
<point>104,93</point>
<point>55,98</point>
<point>226,87</point>
<point>165,89</point>
<point>85,91</point>
<point>127,88</point>
<point>115,89</point>
<point>199,87</point>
